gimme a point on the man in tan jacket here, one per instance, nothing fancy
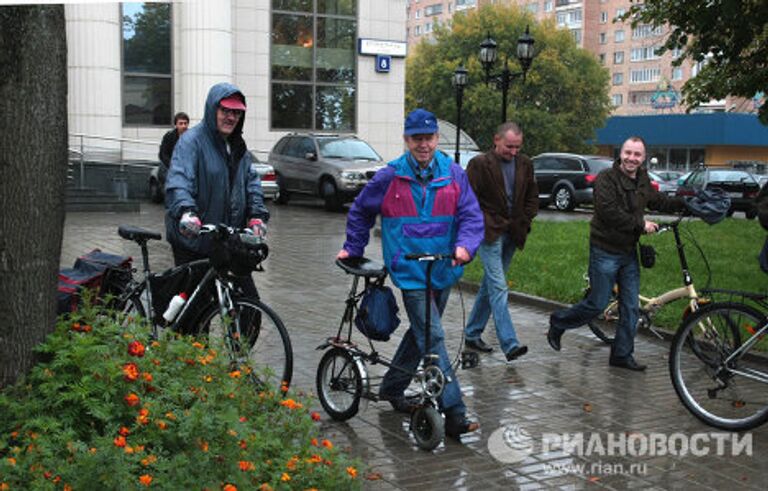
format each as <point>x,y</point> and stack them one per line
<point>506,190</point>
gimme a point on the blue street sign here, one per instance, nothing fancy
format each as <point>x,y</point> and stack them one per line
<point>383,62</point>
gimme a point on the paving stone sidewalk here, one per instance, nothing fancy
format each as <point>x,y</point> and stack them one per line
<point>573,392</point>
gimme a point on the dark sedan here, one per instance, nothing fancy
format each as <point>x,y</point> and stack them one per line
<point>740,186</point>
<point>566,180</point>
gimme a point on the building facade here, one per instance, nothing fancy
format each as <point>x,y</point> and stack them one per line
<point>131,66</point>
<point>423,16</point>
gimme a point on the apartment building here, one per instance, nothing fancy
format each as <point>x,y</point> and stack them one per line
<point>424,15</point>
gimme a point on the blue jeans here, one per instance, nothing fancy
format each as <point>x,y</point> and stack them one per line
<point>411,351</point>
<point>493,296</point>
<point>605,270</point>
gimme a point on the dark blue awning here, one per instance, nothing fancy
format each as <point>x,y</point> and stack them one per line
<point>686,130</point>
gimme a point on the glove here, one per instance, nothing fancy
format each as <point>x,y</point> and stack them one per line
<point>189,225</point>
<point>258,227</point>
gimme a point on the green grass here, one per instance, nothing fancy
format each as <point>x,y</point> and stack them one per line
<point>555,258</point>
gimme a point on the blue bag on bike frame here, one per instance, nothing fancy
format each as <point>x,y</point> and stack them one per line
<point>377,316</point>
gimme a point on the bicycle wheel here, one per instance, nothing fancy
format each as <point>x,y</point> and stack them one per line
<point>604,325</point>
<point>715,391</point>
<point>339,384</point>
<point>254,336</point>
<point>428,427</point>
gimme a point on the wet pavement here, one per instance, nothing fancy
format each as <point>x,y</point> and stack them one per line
<point>627,421</point>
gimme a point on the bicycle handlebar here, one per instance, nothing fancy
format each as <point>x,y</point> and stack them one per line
<point>428,256</point>
<point>222,231</point>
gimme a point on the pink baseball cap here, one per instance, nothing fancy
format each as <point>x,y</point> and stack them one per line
<point>233,102</point>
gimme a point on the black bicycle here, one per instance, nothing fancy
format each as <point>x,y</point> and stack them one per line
<point>217,308</point>
<point>342,378</point>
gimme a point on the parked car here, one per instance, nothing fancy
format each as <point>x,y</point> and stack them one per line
<point>761,180</point>
<point>266,173</point>
<point>566,180</point>
<point>467,146</point>
<point>739,184</point>
<point>666,187</point>
<point>668,175</point>
<point>333,167</point>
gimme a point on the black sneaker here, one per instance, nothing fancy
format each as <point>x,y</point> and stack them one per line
<point>457,426</point>
<point>516,352</point>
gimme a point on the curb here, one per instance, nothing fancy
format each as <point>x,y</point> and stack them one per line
<point>520,298</point>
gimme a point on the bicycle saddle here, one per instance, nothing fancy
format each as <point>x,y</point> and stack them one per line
<point>362,266</point>
<point>130,232</point>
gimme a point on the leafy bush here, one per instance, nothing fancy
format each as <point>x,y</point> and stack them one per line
<point>107,406</point>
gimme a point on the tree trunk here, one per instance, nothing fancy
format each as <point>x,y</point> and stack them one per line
<point>33,170</point>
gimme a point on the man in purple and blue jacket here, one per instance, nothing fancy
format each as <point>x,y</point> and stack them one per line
<point>426,205</point>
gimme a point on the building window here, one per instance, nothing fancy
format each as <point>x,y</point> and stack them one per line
<point>617,99</point>
<point>646,30</point>
<point>602,37</point>
<point>643,54</point>
<point>313,65</point>
<point>603,17</point>
<point>433,10</point>
<point>677,73</point>
<point>576,33</point>
<point>533,7</point>
<point>618,57</point>
<point>417,31</point>
<point>619,36</point>
<point>428,27</point>
<point>619,13</point>
<point>618,78</point>
<point>548,6</point>
<point>645,75</point>
<point>569,18</point>
<point>641,98</point>
<point>147,80</point>
<point>601,57</point>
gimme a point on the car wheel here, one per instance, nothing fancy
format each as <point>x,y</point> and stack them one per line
<point>282,195</point>
<point>751,214</point>
<point>155,193</point>
<point>330,195</point>
<point>564,199</point>
<point>730,211</point>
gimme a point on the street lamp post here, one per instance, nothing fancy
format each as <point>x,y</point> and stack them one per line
<point>460,80</point>
<point>503,79</point>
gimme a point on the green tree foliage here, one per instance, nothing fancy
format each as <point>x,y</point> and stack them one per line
<point>564,98</point>
<point>147,43</point>
<point>731,36</point>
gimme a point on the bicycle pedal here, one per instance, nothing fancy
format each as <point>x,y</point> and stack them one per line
<point>469,359</point>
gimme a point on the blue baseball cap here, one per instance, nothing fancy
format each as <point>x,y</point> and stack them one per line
<point>420,122</point>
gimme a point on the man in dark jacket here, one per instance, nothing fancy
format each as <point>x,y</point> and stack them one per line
<point>180,125</point>
<point>621,195</point>
<point>211,179</point>
<point>509,198</point>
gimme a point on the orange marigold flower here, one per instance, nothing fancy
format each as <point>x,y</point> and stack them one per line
<point>352,472</point>
<point>47,474</point>
<point>143,416</point>
<point>14,434</point>
<point>198,345</point>
<point>148,460</point>
<point>246,465</point>
<point>11,460</point>
<point>155,344</point>
<point>129,450</point>
<point>291,464</point>
<point>189,361</point>
<point>75,326</point>
<point>161,424</point>
<point>313,442</point>
<point>145,479</point>
<point>291,404</point>
<point>132,399</point>
<point>265,487</point>
<point>232,432</point>
<point>235,374</point>
<point>139,448</point>
<point>327,444</point>
<point>243,419</point>
<point>92,450</point>
<point>284,387</point>
<point>315,416</point>
<point>203,445</point>
<point>67,487</point>
<point>208,378</point>
<point>285,477</point>
<point>131,371</point>
<point>56,480</point>
<point>156,362</point>
<point>243,444</point>
<point>229,487</point>
<point>170,416</point>
<point>135,348</point>
<point>315,459</point>
<point>87,328</point>
<point>119,441</point>
<point>124,431</point>
<point>147,376</point>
